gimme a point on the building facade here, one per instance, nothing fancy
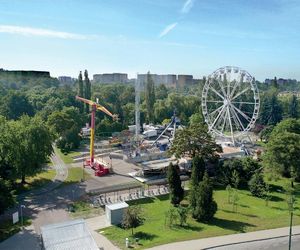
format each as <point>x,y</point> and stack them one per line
<point>111,78</point>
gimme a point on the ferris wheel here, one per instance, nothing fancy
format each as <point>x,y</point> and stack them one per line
<point>230,102</point>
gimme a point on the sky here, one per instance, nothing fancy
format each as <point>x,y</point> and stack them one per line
<point>161,36</point>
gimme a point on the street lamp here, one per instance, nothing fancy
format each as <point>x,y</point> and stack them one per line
<point>21,208</point>
<point>291,201</point>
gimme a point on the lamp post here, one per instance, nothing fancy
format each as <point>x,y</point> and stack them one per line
<point>291,201</point>
<point>21,210</point>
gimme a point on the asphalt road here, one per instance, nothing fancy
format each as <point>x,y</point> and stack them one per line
<point>272,244</point>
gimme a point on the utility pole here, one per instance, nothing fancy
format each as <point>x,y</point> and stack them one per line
<point>22,223</point>
<point>137,106</point>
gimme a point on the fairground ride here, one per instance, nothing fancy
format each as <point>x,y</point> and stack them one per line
<point>99,167</point>
<point>230,102</point>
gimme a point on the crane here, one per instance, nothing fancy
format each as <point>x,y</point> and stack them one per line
<point>99,169</point>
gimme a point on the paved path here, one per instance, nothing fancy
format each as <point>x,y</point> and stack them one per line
<point>96,223</point>
<point>227,240</point>
<point>272,244</point>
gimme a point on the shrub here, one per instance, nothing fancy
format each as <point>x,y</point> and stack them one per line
<point>257,185</point>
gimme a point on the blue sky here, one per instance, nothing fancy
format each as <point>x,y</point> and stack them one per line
<point>163,36</point>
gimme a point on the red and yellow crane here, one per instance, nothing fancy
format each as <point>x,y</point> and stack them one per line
<point>98,167</point>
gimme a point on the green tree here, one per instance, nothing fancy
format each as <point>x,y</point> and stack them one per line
<point>6,198</point>
<point>183,214</point>
<point>257,185</point>
<point>150,97</point>
<point>293,107</point>
<point>34,146</point>
<point>198,170</point>
<point>133,217</point>
<point>271,109</point>
<point>282,155</point>
<point>88,93</point>
<point>16,104</point>
<point>196,118</point>
<point>206,207</point>
<point>265,133</point>
<point>176,191</point>
<point>80,92</point>
<point>195,140</point>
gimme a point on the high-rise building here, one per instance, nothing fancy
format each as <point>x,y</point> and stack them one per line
<point>184,80</point>
<point>111,78</point>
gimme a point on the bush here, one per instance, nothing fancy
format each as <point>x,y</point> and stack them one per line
<point>257,185</point>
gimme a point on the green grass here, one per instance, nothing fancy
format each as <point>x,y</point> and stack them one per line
<point>36,181</point>
<point>83,209</point>
<point>7,228</point>
<point>67,158</point>
<point>252,214</point>
<point>75,174</point>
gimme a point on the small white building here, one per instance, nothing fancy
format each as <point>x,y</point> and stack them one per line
<point>114,212</point>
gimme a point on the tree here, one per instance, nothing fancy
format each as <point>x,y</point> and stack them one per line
<point>6,197</point>
<point>198,170</point>
<point>150,97</point>
<point>257,185</point>
<point>33,147</point>
<point>196,118</point>
<point>183,214</point>
<point>80,91</point>
<point>265,133</point>
<point>15,105</point>
<point>237,172</point>
<point>176,191</point>
<point>271,110</point>
<point>206,207</point>
<point>88,93</point>
<point>133,217</point>
<point>293,107</point>
<point>282,155</point>
<point>195,140</point>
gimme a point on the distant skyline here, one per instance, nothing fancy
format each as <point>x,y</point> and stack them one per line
<point>164,36</point>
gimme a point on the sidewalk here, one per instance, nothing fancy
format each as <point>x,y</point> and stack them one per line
<point>226,240</point>
<point>97,223</point>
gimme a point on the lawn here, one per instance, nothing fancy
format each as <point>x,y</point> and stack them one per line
<point>252,214</point>
<point>75,174</point>
<point>67,158</point>
<point>7,228</point>
<point>36,181</point>
<point>83,209</point>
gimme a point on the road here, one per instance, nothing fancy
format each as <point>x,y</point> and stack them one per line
<point>273,244</point>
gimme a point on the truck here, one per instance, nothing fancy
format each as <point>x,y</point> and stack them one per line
<point>150,133</point>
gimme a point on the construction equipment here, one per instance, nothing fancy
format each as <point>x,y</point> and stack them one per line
<point>99,166</point>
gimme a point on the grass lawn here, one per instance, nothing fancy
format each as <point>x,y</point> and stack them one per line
<point>75,174</point>
<point>7,228</point>
<point>67,158</point>
<point>252,214</point>
<point>36,181</point>
<point>82,209</point>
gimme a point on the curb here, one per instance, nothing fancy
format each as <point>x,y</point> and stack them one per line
<point>248,241</point>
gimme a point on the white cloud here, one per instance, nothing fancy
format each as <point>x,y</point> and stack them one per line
<point>167,29</point>
<point>29,31</point>
<point>187,6</point>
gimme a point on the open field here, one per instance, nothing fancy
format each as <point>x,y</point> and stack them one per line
<point>252,214</point>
